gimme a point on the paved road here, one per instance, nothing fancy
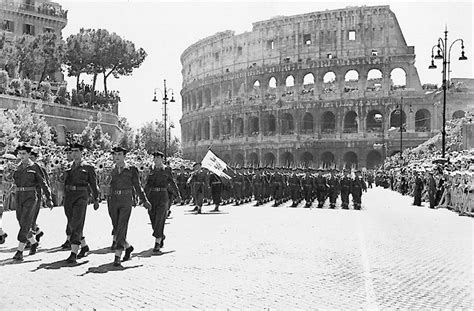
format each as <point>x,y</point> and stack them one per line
<point>390,255</point>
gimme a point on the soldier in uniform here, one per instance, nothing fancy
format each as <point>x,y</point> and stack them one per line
<point>67,243</point>
<point>345,184</point>
<point>159,183</point>
<point>198,182</point>
<point>321,188</point>
<point>80,182</point>
<point>418,189</point>
<point>238,186</point>
<point>28,177</point>
<point>257,183</point>
<point>181,179</point>
<point>334,187</point>
<point>125,180</point>
<point>308,187</point>
<point>216,190</point>
<point>295,188</point>
<point>357,186</point>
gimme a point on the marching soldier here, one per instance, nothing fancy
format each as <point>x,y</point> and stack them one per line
<point>216,190</point>
<point>418,189</point>
<point>321,188</point>
<point>125,181</point>
<point>357,186</point>
<point>181,179</point>
<point>67,243</point>
<point>295,188</point>
<point>257,181</point>
<point>80,182</point>
<point>198,182</point>
<point>334,188</point>
<point>35,228</point>
<point>308,186</point>
<point>159,183</point>
<point>345,184</point>
<point>28,177</point>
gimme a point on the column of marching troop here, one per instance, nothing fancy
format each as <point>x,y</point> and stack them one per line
<point>80,188</point>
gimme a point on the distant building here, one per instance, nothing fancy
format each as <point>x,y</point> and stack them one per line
<point>313,89</point>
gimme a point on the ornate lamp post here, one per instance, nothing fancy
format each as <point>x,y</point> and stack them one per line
<point>165,112</point>
<point>445,54</point>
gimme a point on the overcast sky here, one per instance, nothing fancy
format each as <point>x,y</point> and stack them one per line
<point>166,29</point>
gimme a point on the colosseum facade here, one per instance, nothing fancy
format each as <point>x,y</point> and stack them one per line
<point>314,89</point>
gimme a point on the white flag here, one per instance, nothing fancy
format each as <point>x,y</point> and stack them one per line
<point>214,164</point>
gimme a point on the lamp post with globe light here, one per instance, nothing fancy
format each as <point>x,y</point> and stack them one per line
<point>444,53</point>
<point>165,112</point>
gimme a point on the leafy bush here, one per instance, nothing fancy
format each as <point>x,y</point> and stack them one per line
<point>3,81</point>
<point>62,92</point>
<point>45,88</point>
<point>27,86</point>
<point>17,86</point>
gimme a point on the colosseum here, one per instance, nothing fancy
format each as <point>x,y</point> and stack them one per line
<point>331,88</point>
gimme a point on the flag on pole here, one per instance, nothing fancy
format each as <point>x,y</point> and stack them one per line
<point>214,164</point>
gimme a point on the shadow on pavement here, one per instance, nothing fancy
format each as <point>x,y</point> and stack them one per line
<point>8,250</point>
<point>58,249</point>
<point>149,253</point>
<point>10,261</point>
<point>101,251</point>
<point>205,213</point>
<point>108,267</point>
<point>58,265</point>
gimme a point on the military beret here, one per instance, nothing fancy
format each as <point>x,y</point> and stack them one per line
<point>119,149</point>
<point>158,154</point>
<point>76,146</point>
<point>24,147</point>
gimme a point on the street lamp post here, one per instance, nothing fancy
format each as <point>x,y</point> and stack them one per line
<point>165,112</point>
<point>445,54</point>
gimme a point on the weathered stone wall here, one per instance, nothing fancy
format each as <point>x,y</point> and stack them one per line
<point>267,96</point>
<point>65,118</point>
<point>468,136</point>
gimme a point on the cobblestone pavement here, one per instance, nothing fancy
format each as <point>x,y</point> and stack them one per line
<point>389,255</point>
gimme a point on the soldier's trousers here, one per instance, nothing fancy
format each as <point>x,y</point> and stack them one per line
<point>184,191</point>
<point>345,198</point>
<point>158,212</point>
<point>321,196</point>
<point>258,192</point>
<point>34,226</point>
<point>238,191</point>
<point>332,197</point>
<point>356,197</point>
<point>216,192</point>
<point>198,194</point>
<point>25,212</point>
<point>120,209</point>
<point>75,207</point>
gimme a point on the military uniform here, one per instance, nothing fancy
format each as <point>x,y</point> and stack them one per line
<point>357,186</point>
<point>334,188</point>
<point>216,190</point>
<point>159,183</point>
<point>308,188</point>
<point>28,177</point>
<point>80,182</point>
<point>295,188</point>
<point>198,181</point>
<point>181,179</point>
<point>345,184</point>
<point>321,188</point>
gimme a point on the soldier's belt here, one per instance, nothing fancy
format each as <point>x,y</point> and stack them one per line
<point>199,183</point>
<point>121,192</point>
<point>216,182</point>
<point>24,189</point>
<point>257,183</point>
<point>238,182</point>
<point>76,188</point>
<point>158,189</point>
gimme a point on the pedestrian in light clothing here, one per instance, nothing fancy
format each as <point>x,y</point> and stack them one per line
<point>28,177</point>
<point>124,183</point>
<point>159,183</point>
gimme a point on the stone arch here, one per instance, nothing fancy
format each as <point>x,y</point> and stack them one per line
<point>269,159</point>
<point>350,122</point>
<point>374,159</point>
<point>308,123</point>
<point>206,130</point>
<point>253,160</point>
<point>226,127</point>
<point>253,126</point>
<point>458,114</point>
<point>207,97</point>
<point>423,121</point>
<point>269,125</point>
<point>215,129</point>
<point>374,80</point>
<point>329,82</point>
<point>327,159</point>
<point>398,78</point>
<point>307,159</point>
<point>239,127</point>
<point>328,122</point>
<point>239,159</point>
<point>395,118</point>
<point>350,160</point>
<point>290,81</point>
<point>287,159</point>
<point>287,124</point>
<point>374,121</point>
<point>272,83</point>
<point>351,81</point>
<point>308,79</point>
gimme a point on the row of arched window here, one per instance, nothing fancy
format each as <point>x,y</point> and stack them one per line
<point>350,124</point>
<point>329,84</point>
